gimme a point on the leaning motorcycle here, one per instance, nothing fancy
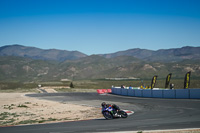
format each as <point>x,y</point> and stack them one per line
<point>108,113</point>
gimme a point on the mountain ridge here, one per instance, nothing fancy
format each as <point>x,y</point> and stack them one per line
<point>163,55</point>
<point>37,53</point>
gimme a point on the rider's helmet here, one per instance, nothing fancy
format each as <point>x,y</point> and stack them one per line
<point>103,104</point>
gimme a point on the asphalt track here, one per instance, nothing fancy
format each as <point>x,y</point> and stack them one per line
<point>150,114</point>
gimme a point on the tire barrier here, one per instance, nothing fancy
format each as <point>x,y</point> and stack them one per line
<point>102,91</point>
<point>159,93</point>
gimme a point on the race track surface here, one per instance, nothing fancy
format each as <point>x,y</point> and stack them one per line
<point>149,114</point>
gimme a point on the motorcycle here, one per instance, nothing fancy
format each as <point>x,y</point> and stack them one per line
<point>108,113</point>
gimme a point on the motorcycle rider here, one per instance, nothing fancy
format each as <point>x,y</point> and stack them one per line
<point>114,106</point>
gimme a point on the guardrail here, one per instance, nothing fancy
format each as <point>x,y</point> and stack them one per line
<point>162,93</point>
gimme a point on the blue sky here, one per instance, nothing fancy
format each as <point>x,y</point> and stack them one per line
<point>100,26</point>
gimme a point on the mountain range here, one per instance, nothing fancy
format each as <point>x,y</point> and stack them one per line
<point>21,63</point>
<point>36,53</point>
<point>162,55</point>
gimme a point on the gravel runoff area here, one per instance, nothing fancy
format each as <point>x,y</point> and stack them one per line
<point>17,109</point>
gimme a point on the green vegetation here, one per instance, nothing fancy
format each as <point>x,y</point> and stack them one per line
<point>27,102</point>
<point>7,118</point>
<point>12,106</point>
<point>17,87</point>
<point>8,107</point>
<point>25,70</point>
<point>12,121</point>
<point>22,106</point>
<point>5,115</point>
<point>92,85</point>
<point>42,120</point>
<point>71,85</point>
<point>105,84</point>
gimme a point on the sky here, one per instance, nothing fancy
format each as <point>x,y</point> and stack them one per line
<point>100,26</point>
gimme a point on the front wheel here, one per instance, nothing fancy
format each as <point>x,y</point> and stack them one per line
<point>123,114</point>
<point>107,115</point>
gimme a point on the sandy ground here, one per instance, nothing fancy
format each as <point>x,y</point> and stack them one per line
<point>16,109</point>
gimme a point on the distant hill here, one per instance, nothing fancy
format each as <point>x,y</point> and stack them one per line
<point>163,55</point>
<point>138,53</point>
<point>91,67</point>
<point>36,53</point>
<point>20,63</point>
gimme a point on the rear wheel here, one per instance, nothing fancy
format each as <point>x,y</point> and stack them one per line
<point>123,114</point>
<point>107,115</point>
